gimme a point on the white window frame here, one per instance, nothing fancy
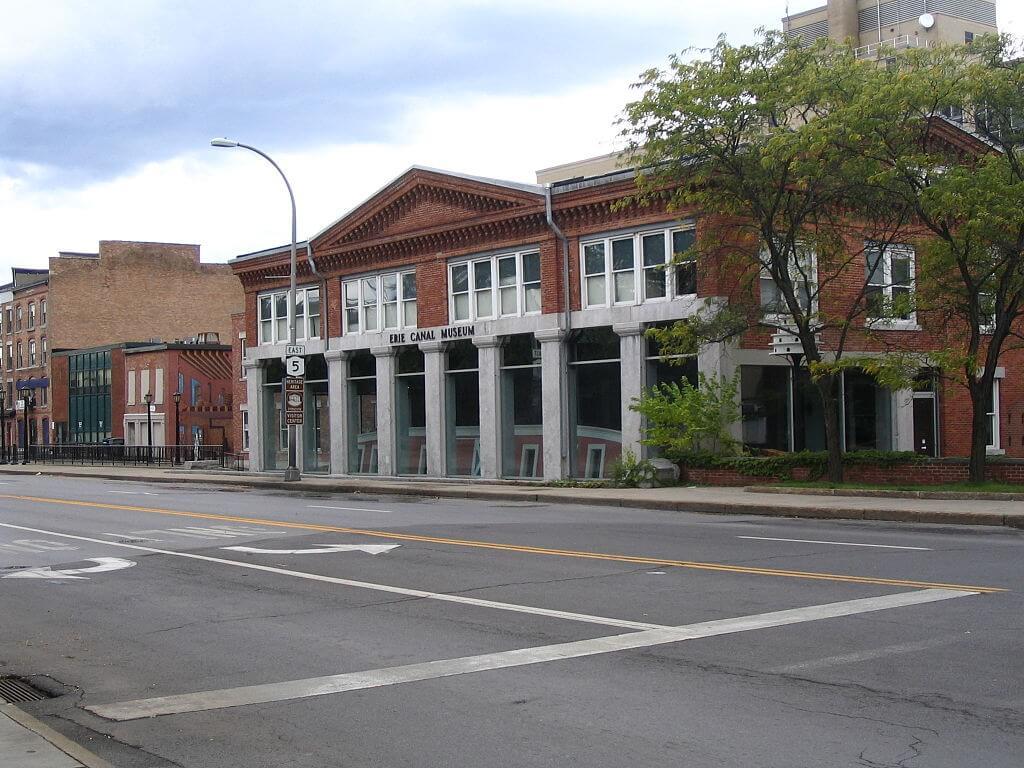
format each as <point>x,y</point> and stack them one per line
<point>639,270</point>
<point>495,289</point>
<point>882,277</point>
<point>363,307</point>
<point>245,428</point>
<point>993,416</point>
<point>796,276</point>
<point>241,357</point>
<point>302,324</point>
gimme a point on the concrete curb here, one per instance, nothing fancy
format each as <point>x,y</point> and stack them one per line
<point>877,493</point>
<point>58,741</point>
<point>433,489</point>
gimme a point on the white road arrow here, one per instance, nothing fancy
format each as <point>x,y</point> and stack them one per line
<point>102,564</point>
<point>371,549</point>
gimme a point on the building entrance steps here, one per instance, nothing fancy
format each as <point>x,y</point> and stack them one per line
<point>708,500</point>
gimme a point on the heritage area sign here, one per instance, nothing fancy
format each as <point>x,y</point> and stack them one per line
<point>294,389</point>
<point>432,334</point>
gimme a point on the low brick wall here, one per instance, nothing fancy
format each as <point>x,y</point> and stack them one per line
<point>927,472</point>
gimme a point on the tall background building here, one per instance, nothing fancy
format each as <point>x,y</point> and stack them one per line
<point>877,24</point>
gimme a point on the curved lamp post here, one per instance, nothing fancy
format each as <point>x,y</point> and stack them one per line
<point>292,472</point>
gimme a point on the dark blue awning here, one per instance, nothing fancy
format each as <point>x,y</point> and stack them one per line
<point>34,384</point>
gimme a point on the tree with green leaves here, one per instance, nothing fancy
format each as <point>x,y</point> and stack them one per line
<point>754,139</point>
<point>966,194</point>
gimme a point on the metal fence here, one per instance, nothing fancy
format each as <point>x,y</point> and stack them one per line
<point>124,455</point>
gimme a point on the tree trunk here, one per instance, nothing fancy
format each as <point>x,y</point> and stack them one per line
<point>979,427</point>
<point>828,387</point>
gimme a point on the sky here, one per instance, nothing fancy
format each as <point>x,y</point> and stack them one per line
<point>107,107</point>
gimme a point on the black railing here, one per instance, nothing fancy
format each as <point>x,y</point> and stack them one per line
<point>236,461</point>
<point>133,455</point>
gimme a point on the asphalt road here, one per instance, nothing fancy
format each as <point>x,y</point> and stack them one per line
<point>503,634</point>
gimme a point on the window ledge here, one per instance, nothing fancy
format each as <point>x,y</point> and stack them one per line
<point>893,325</point>
<point>995,451</point>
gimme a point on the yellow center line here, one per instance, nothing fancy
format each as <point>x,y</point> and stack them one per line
<point>694,565</point>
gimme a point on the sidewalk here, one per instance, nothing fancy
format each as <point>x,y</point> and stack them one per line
<point>999,510</point>
<point>27,743</point>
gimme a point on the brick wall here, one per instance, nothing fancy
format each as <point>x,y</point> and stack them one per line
<point>138,291</point>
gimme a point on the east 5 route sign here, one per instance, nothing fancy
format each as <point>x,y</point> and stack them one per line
<point>294,390</point>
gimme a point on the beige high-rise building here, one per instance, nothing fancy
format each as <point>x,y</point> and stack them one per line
<point>877,25</point>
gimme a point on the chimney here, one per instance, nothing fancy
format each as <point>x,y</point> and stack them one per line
<point>842,21</point>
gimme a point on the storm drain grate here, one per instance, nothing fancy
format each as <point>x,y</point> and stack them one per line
<point>15,691</point>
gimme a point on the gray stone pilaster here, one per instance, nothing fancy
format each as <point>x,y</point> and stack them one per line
<point>385,409</point>
<point>903,420</point>
<point>254,390</point>
<point>717,363</point>
<point>337,396</point>
<point>556,409</point>
<point>631,372</point>
<point>433,369</point>
<point>489,348</point>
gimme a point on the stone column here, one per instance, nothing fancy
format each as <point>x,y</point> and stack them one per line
<point>434,385</point>
<point>337,396</point>
<point>556,416</point>
<point>385,409</point>
<point>903,420</point>
<point>489,348</point>
<point>631,372</point>
<point>716,362</point>
<point>253,397</point>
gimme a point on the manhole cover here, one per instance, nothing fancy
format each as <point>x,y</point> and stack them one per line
<point>14,691</point>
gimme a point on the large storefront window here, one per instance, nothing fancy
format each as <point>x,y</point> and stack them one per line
<point>596,402</point>
<point>275,431</point>
<point>362,414</point>
<point>316,428</point>
<point>522,408</point>
<point>462,411</point>
<point>89,400</point>
<point>410,412</point>
<point>668,369</point>
<point>778,415</point>
<point>867,413</point>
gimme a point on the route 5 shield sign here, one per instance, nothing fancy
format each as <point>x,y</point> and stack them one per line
<point>295,366</point>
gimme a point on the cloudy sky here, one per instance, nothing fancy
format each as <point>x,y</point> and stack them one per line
<point>107,106</point>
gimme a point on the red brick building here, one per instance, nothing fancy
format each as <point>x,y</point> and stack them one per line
<point>462,326</point>
<point>24,356</point>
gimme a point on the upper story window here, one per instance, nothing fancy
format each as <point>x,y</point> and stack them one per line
<point>803,274</point>
<point>31,353</point>
<point>503,285</point>
<point>21,355</point>
<point>889,273</point>
<point>42,312</point>
<point>273,309</point>
<point>241,356</point>
<point>31,315</point>
<point>18,315</point>
<point>44,351</point>
<point>8,325</point>
<point>633,269</point>
<point>380,302</point>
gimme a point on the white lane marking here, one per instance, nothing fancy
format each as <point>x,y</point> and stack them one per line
<point>135,493</point>
<point>869,655</point>
<point>103,564</point>
<point>347,509</point>
<point>36,545</point>
<point>377,678</point>
<point>419,593</point>
<point>836,543</point>
<point>370,549</point>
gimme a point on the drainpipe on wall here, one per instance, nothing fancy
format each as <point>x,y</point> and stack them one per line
<point>565,323</point>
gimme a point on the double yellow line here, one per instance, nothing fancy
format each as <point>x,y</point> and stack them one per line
<point>694,565</point>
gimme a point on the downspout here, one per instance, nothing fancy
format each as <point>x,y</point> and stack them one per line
<point>565,323</point>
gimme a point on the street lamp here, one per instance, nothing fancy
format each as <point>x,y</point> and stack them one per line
<point>148,397</point>
<point>292,472</point>
<point>3,427</point>
<point>177,426</point>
